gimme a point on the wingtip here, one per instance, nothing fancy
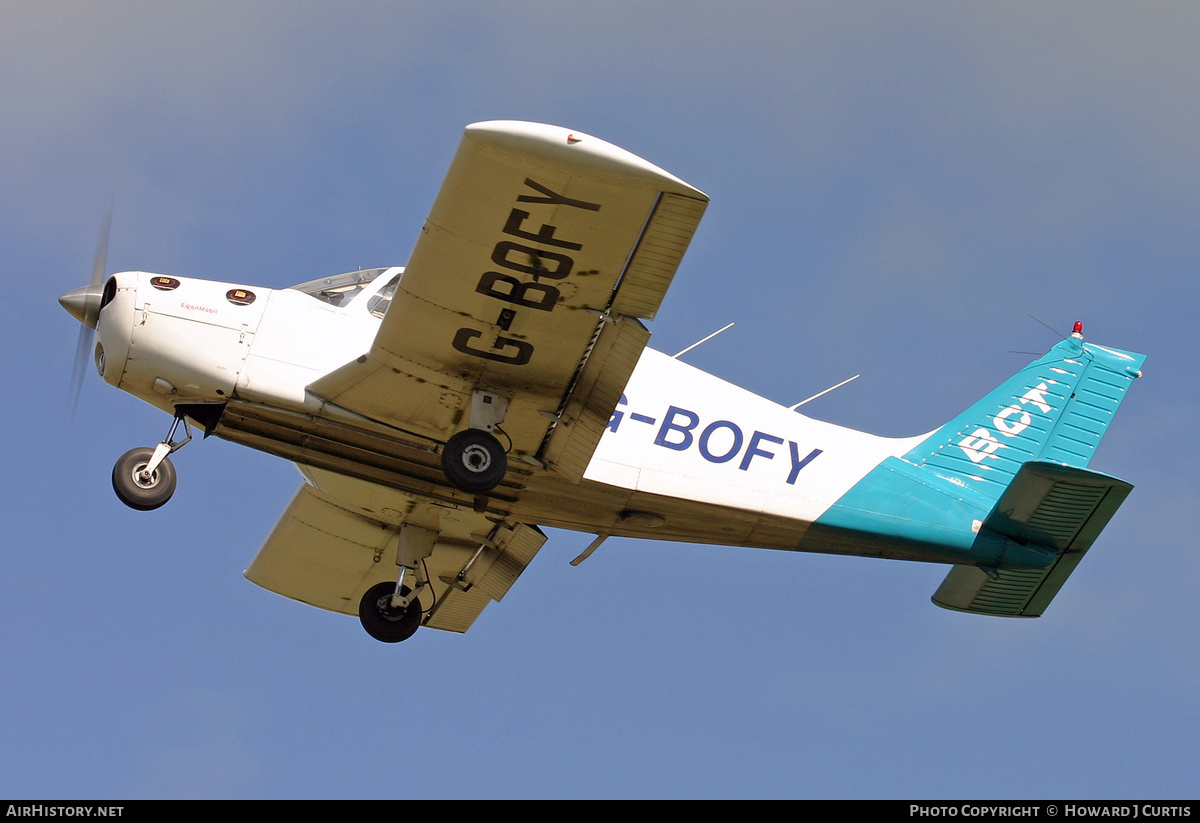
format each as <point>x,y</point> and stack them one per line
<point>582,148</point>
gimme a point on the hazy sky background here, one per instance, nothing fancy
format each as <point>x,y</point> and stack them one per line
<point>896,188</point>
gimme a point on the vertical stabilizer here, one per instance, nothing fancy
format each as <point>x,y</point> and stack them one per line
<point>1055,410</point>
<point>1002,485</point>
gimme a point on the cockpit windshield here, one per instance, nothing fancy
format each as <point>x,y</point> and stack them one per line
<point>340,289</point>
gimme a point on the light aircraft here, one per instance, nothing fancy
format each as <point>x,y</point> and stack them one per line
<point>442,412</point>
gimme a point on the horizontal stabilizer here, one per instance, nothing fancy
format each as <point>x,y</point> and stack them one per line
<point>1059,507</point>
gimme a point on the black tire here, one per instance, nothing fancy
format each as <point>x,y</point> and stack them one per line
<point>474,461</point>
<point>137,493</point>
<point>384,623</point>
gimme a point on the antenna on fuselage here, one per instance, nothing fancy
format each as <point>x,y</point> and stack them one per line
<point>698,342</point>
<point>827,391</point>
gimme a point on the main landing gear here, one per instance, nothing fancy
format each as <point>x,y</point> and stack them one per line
<point>384,621</point>
<point>473,459</point>
<point>391,612</point>
<point>144,478</point>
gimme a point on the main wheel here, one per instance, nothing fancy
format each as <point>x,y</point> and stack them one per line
<point>139,492</point>
<point>474,461</point>
<point>384,623</point>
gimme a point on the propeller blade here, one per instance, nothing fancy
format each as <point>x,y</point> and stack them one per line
<point>83,351</point>
<point>100,259</point>
<point>87,304</point>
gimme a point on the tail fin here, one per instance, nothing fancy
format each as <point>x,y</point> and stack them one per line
<point>1054,410</point>
<point>1025,446</point>
<point>1001,490</point>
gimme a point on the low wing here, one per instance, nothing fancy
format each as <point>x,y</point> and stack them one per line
<point>326,555</point>
<point>542,251</point>
<point>1060,507</point>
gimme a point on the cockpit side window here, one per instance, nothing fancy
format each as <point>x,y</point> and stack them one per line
<point>340,289</point>
<point>379,303</point>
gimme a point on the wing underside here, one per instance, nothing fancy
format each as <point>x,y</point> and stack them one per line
<point>326,555</point>
<point>542,252</point>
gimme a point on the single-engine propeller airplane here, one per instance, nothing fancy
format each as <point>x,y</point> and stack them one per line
<point>440,413</point>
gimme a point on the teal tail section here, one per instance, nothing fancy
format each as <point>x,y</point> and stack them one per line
<point>1055,410</point>
<point>1002,490</point>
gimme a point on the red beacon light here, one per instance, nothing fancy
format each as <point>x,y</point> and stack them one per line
<point>1077,330</point>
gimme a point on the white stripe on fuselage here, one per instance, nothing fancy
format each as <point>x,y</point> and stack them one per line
<point>683,433</point>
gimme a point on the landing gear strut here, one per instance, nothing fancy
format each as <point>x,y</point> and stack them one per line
<point>144,478</point>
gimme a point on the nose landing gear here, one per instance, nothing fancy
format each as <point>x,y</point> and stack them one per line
<point>144,478</point>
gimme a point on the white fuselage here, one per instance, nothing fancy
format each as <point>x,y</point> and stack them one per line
<point>679,437</point>
<point>194,343</point>
<point>681,432</point>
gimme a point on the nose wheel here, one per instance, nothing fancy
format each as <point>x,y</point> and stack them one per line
<point>144,478</point>
<point>140,487</point>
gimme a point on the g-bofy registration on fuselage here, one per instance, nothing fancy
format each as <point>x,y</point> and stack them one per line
<point>442,412</point>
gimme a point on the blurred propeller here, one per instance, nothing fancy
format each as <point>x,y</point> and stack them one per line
<point>84,305</point>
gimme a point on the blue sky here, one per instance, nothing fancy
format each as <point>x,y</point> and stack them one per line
<point>896,189</point>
